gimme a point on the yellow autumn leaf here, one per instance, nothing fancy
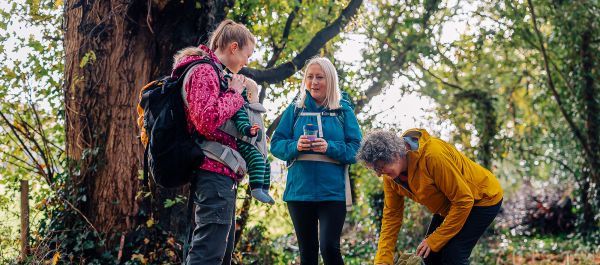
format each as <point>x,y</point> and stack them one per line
<point>140,258</point>
<point>55,258</point>
<point>150,222</point>
<point>41,204</point>
<point>171,241</point>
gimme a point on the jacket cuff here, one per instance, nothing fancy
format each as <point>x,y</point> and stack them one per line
<point>385,259</point>
<point>294,150</point>
<point>330,150</point>
<point>435,245</point>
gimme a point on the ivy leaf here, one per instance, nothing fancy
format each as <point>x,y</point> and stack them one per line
<point>90,57</point>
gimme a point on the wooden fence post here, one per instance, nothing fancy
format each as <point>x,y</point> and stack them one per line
<point>24,220</point>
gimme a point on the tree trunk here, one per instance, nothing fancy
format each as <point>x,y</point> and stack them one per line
<point>592,129</point>
<point>113,48</point>
<point>24,220</point>
<point>244,215</point>
<point>588,212</point>
<point>490,129</point>
<point>486,122</point>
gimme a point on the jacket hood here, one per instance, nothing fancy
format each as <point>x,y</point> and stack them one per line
<point>415,155</point>
<point>421,134</point>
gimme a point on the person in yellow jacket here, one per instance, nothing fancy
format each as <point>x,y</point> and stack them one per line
<point>463,196</point>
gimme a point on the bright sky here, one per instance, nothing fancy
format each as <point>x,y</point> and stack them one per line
<point>392,107</point>
<point>405,111</point>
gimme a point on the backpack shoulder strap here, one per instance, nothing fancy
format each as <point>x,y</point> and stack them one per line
<point>297,112</point>
<point>222,82</point>
<point>183,78</point>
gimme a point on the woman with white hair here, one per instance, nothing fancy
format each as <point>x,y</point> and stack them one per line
<point>463,196</point>
<point>318,136</point>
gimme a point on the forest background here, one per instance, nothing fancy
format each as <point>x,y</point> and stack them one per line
<point>513,84</point>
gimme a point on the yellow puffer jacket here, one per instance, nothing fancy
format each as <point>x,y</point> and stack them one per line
<point>442,179</point>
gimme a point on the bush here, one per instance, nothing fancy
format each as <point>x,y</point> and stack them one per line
<point>546,211</point>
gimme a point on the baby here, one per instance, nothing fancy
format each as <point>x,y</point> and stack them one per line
<point>253,146</point>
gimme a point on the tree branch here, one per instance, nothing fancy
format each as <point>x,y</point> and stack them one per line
<point>15,132</point>
<point>555,94</point>
<point>45,152</point>
<point>379,82</point>
<point>277,49</point>
<point>40,151</point>
<point>437,77</point>
<point>285,70</point>
<point>25,165</point>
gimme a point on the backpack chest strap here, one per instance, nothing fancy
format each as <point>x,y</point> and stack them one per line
<point>319,115</point>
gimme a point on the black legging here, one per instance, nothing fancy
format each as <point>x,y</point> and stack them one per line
<point>307,216</point>
<point>458,249</point>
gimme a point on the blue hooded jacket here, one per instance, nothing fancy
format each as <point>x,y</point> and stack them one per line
<point>316,180</point>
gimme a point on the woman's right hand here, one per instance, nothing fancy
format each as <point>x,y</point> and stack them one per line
<point>303,144</point>
<point>236,83</point>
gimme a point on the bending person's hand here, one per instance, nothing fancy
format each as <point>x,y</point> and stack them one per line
<point>423,249</point>
<point>319,145</point>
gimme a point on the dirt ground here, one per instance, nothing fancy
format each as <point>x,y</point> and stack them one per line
<point>553,259</point>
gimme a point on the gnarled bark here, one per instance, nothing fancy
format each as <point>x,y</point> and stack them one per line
<point>113,48</point>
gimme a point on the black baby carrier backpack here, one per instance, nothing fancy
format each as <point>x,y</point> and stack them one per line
<point>171,151</point>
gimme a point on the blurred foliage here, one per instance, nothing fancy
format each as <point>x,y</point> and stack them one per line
<point>490,83</point>
<point>31,114</point>
<point>493,84</point>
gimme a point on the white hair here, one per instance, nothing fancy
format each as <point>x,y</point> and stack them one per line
<point>333,95</point>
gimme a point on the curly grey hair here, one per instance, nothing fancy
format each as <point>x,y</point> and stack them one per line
<point>381,146</point>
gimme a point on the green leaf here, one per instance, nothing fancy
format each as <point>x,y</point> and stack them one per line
<point>169,203</point>
<point>90,57</point>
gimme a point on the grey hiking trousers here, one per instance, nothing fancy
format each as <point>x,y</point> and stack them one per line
<point>214,233</point>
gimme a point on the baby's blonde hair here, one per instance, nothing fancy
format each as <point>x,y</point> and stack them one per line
<point>252,91</point>
<point>185,52</point>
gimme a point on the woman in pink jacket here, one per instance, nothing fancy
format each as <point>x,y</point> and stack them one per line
<point>211,101</point>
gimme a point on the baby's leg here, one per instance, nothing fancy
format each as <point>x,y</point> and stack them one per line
<point>267,177</point>
<point>256,166</point>
<point>256,171</point>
